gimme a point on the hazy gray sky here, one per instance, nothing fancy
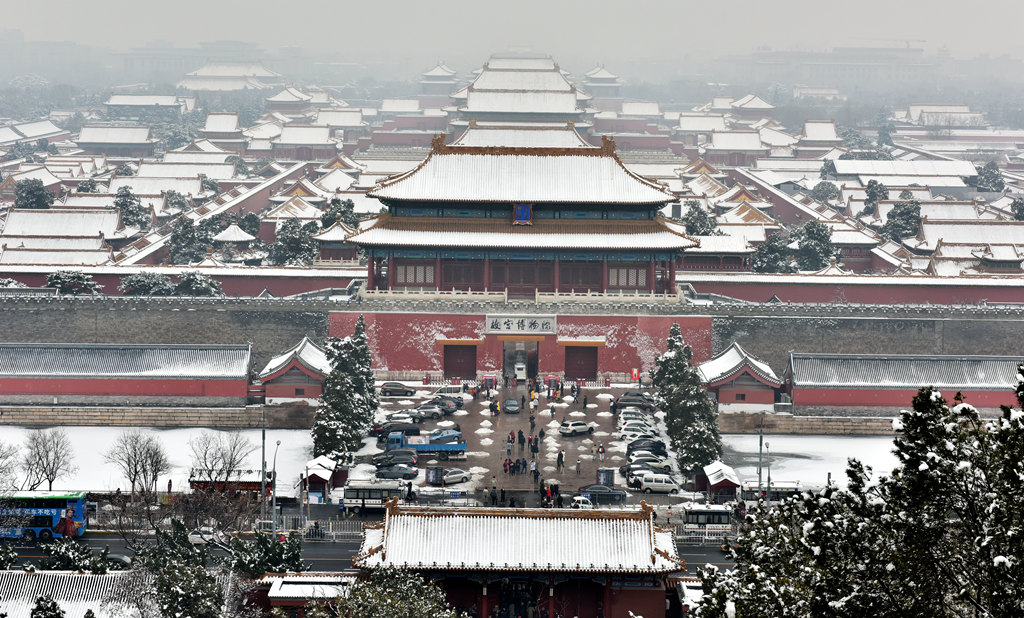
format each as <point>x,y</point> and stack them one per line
<point>577,30</point>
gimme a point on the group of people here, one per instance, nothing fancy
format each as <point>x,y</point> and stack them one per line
<point>521,466</point>
<point>529,443</point>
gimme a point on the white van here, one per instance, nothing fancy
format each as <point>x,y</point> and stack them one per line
<point>452,390</point>
<point>658,483</point>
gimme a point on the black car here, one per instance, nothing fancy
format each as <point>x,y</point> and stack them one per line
<point>447,406</point>
<point>458,401</point>
<point>396,389</point>
<point>646,444</point>
<point>409,429</point>
<point>405,456</point>
<point>635,402</point>
<point>602,494</point>
<point>635,394</point>
<point>511,406</point>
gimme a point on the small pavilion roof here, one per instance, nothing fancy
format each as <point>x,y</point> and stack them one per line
<point>732,362</point>
<point>306,352</point>
<point>233,233</point>
<point>290,95</point>
<point>337,232</point>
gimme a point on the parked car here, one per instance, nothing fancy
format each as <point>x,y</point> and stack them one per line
<point>404,472</point>
<point>429,410</point>
<point>655,446</point>
<point>635,402</point>
<point>405,456</point>
<point>396,389</point>
<point>409,429</point>
<point>442,436</point>
<point>458,401</point>
<point>602,494</point>
<point>655,462</point>
<point>632,470</point>
<point>446,405</point>
<point>633,436</point>
<point>453,476</point>
<point>454,390</point>
<point>636,425</point>
<point>572,428</point>
<point>636,413</point>
<point>405,416</point>
<point>207,536</point>
<point>658,483</point>
<point>511,406</point>
<point>634,394</point>
<point>579,502</point>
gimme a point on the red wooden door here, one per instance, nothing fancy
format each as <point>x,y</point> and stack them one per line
<point>460,361</point>
<point>580,362</point>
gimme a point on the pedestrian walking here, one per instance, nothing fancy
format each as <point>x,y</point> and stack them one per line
<point>600,451</point>
<point>522,402</point>
<point>508,446</point>
<point>494,482</point>
<point>561,460</point>
<point>522,464</point>
<point>505,465</point>
<point>593,451</point>
<point>585,401</point>
<point>494,497</point>
<point>541,434</point>
<point>575,396</point>
<point>536,475</point>
<point>578,462</point>
<point>522,441</point>
<point>615,408</point>
<point>502,496</point>
<point>533,423</point>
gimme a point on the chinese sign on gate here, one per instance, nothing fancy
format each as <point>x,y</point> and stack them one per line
<point>520,324</point>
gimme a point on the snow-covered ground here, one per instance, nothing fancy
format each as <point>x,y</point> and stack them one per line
<point>88,445</point>
<point>808,459</point>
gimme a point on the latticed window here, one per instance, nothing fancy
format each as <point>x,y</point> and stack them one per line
<point>627,277</point>
<point>414,274</point>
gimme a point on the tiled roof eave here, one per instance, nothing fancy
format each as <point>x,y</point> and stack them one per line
<point>738,369</point>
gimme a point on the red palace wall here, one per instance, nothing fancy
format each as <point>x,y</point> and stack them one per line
<point>727,394</point>
<point>863,291</point>
<point>880,397</point>
<point>124,386</point>
<point>242,284</point>
<point>414,342</point>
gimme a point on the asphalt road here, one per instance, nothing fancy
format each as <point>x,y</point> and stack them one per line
<point>337,556</point>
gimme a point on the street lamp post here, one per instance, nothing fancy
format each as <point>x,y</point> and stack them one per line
<point>760,450</point>
<point>768,494</point>
<point>263,465</point>
<point>273,491</point>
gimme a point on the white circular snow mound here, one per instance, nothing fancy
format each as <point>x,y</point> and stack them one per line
<point>550,468</point>
<point>405,402</point>
<point>486,442</point>
<point>582,448</point>
<point>600,433</point>
<point>560,405</point>
<point>477,453</point>
<point>605,413</point>
<point>486,423</point>
<point>591,405</point>
<point>478,470</point>
<point>605,396</point>
<point>460,413</point>
<point>554,424</point>
<point>567,398</point>
<point>446,423</point>
<point>484,430</point>
<point>576,413</point>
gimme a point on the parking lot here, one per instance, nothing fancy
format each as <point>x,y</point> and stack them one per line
<point>486,435</point>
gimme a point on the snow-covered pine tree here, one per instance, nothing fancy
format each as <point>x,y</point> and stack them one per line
<point>814,246</point>
<point>349,399</point>
<point>393,592</point>
<point>195,283</point>
<point>772,256</point>
<point>8,556</point>
<point>46,607</point>
<point>264,553</point>
<point>691,418</point>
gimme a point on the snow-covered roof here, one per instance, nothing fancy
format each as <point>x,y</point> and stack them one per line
<point>774,137</point>
<point>520,63</point>
<point>306,352</point>
<point>263,131</point>
<point>441,70</point>
<point>543,234</point>
<point>95,134</point>
<point>144,100</point>
<point>570,175</point>
<point>857,167</point>
<point>401,106</point>
<point>814,370</point>
<point>195,157</point>
<point>932,181</point>
<point>63,254</point>
<point>203,145</point>
<point>967,232</point>
<point>213,171</point>
<point>521,102</point>
<point>599,72</point>
<point>736,140</point>
<point>337,232</point>
<point>222,122</point>
<point>304,135</point>
<point>106,595</point>
<point>744,212</point>
<point>558,136</point>
<point>702,123</point>
<point>306,586</point>
<point>752,101</point>
<point>335,180</point>
<point>38,129</point>
<point>221,84</point>
<point>340,118</point>
<point>62,222</point>
<point>519,540</point>
<point>914,111</point>
<point>492,79</point>
<point>706,185</point>
<point>233,69</point>
<point>717,472</point>
<point>233,233</point>
<point>42,174</point>
<point>148,185</point>
<point>716,245</point>
<point>294,208</point>
<point>731,362</point>
<point>820,131</point>
<point>289,95</point>
<point>640,108</point>
<point>55,360</point>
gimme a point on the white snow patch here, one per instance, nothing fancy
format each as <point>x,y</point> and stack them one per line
<point>567,398</point>
<point>478,453</point>
<point>406,402</point>
<point>559,405</point>
<point>550,468</point>
<point>461,413</point>
<point>605,396</point>
<point>577,413</point>
<point>600,433</point>
<point>486,442</point>
<point>478,470</point>
<point>553,424</point>
<point>486,423</point>
<point>362,471</point>
<point>591,405</point>
<point>484,431</point>
<point>446,423</point>
<point>604,413</point>
<point>369,447</point>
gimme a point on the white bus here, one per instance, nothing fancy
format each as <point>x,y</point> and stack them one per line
<point>360,496</point>
<point>776,492</point>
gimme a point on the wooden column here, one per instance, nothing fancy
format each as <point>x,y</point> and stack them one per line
<point>483,601</point>
<point>558,267</point>
<point>650,276</point>
<point>551,599</point>
<point>604,276</point>
<point>672,276</point>
<point>370,275</point>
<point>487,274</point>
<point>437,272</point>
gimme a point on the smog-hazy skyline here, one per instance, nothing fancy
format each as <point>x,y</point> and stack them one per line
<point>464,32</point>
